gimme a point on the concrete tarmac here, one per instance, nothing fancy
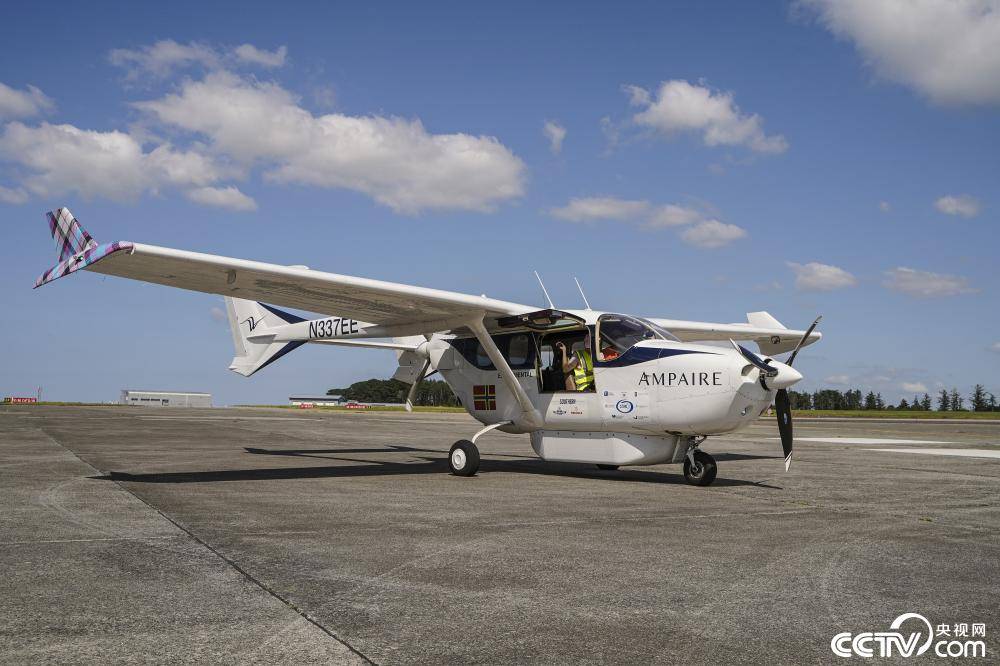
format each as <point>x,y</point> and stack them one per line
<point>278,536</point>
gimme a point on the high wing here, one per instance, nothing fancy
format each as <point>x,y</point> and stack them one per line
<point>769,334</point>
<point>389,304</point>
<point>405,309</point>
<point>386,303</point>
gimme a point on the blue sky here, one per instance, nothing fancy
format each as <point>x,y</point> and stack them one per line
<point>714,159</point>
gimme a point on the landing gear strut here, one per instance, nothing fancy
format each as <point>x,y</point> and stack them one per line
<point>699,467</point>
<point>463,459</point>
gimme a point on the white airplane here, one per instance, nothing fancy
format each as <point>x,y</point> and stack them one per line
<point>644,395</point>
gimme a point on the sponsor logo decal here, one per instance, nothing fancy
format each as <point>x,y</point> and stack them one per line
<point>911,635</point>
<point>626,405</point>
<point>681,378</point>
<point>484,397</point>
<point>572,406</point>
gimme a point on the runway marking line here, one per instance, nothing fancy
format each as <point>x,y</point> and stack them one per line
<point>227,418</point>
<point>964,453</point>
<point>865,440</point>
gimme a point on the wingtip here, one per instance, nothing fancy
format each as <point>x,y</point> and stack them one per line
<point>788,461</point>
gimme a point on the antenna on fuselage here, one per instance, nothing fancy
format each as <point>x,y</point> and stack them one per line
<point>545,291</point>
<point>585,301</point>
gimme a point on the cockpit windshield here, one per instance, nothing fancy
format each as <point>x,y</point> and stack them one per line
<point>619,333</point>
<point>662,332</point>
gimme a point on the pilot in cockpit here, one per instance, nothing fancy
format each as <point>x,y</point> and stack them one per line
<point>578,367</point>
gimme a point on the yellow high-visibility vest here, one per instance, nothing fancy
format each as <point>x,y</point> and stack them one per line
<point>583,373</point>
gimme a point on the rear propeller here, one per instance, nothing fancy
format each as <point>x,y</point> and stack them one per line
<point>783,407</point>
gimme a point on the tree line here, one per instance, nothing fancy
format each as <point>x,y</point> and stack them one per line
<point>980,400</point>
<point>432,392</point>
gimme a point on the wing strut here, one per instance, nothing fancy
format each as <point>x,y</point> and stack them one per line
<point>532,418</point>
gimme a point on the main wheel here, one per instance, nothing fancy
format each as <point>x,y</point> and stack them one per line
<point>608,467</point>
<point>463,459</point>
<point>703,471</point>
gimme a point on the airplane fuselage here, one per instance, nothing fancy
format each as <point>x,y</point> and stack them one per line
<point>657,387</point>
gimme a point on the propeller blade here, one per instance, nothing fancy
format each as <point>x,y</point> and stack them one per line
<point>802,341</point>
<point>783,408</point>
<point>412,393</point>
<point>755,360</point>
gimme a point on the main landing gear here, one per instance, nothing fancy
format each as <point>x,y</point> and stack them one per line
<point>463,459</point>
<point>699,467</point>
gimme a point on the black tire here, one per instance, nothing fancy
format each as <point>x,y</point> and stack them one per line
<point>466,463</point>
<point>608,467</point>
<point>704,470</point>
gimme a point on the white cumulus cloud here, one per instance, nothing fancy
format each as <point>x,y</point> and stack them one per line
<point>222,197</point>
<point>591,209</point>
<point>914,387</point>
<point>23,103</point>
<point>961,204</point>
<point>712,234</point>
<point>15,195</point>
<point>672,215</point>
<point>945,49</point>
<point>680,106</point>
<point>923,284</point>
<point>62,158</point>
<point>555,133</point>
<point>252,54</point>
<point>394,160</point>
<point>163,57</point>
<point>837,379</point>
<point>698,228</point>
<point>815,276</point>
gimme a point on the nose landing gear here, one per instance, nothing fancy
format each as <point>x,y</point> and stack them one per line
<point>699,467</point>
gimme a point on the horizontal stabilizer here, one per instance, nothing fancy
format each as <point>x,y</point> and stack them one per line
<point>770,334</point>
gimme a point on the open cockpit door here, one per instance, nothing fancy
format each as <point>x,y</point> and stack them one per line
<point>542,320</point>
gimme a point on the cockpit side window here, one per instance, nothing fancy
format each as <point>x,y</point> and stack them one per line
<point>619,333</point>
<point>482,358</point>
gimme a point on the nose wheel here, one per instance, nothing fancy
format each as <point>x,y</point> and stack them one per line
<point>700,468</point>
<point>463,459</point>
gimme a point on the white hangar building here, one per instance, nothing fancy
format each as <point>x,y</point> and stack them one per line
<point>165,398</point>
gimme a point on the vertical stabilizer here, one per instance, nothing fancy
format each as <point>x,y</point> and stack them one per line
<point>250,317</point>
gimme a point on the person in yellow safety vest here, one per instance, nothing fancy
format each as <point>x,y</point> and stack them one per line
<point>578,368</point>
